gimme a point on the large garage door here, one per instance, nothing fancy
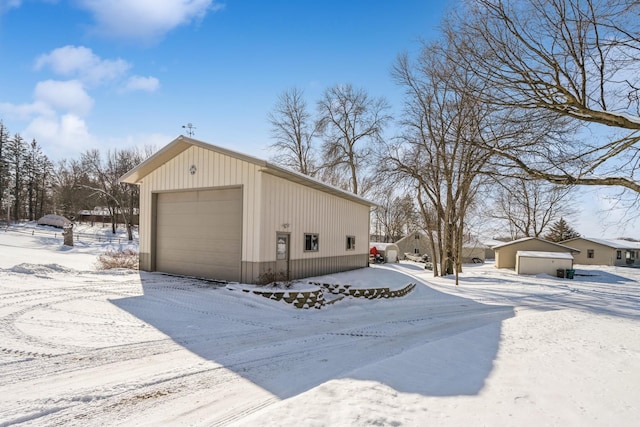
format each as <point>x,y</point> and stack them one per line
<point>199,233</point>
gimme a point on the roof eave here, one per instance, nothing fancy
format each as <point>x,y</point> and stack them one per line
<point>182,143</point>
<point>308,181</point>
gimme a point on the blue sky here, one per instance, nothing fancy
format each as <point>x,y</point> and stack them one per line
<point>80,74</point>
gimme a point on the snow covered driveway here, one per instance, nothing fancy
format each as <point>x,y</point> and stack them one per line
<point>95,348</point>
<point>80,347</point>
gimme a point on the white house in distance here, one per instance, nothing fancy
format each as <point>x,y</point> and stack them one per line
<point>210,212</point>
<point>612,252</point>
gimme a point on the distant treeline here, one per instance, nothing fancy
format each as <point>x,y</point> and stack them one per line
<point>31,185</point>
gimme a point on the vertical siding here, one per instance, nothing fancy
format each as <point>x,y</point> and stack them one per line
<point>213,170</point>
<point>269,202</point>
<point>307,210</point>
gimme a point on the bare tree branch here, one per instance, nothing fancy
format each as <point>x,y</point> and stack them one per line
<point>350,121</point>
<point>562,66</point>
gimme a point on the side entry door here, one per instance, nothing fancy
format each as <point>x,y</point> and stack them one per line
<point>282,255</point>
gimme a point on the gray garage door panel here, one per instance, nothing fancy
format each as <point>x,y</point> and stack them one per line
<point>199,233</point>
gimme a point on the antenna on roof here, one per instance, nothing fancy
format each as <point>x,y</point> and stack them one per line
<point>190,129</point>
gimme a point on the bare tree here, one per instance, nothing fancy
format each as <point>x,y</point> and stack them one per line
<point>70,182</point>
<point>528,207</point>
<point>293,130</point>
<point>394,214</point>
<point>437,150</point>
<point>120,198</point>
<point>572,64</point>
<point>350,122</point>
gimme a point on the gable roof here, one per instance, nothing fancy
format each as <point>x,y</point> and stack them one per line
<point>525,239</point>
<point>182,143</point>
<point>612,243</point>
<point>410,235</point>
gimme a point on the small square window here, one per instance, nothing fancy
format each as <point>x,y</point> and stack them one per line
<point>589,253</point>
<point>311,242</point>
<point>351,243</point>
<point>416,251</point>
<point>417,237</point>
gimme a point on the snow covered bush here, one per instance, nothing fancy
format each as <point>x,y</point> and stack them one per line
<point>121,258</point>
<point>54,221</point>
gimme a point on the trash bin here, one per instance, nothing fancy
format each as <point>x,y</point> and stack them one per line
<point>560,273</point>
<point>570,273</point>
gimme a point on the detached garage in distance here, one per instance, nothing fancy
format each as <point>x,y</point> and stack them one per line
<point>537,262</point>
<point>207,211</point>
<point>506,253</point>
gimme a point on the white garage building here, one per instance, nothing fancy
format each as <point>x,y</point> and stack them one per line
<point>538,262</point>
<point>210,212</point>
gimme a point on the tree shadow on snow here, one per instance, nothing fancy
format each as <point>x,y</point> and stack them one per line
<point>599,276</point>
<point>427,342</point>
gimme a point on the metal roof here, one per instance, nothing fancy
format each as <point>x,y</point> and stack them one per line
<point>524,239</point>
<point>182,143</point>
<point>612,243</point>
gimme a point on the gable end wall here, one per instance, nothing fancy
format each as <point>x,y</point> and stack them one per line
<point>212,170</point>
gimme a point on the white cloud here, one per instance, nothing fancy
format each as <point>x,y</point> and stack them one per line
<point>145,19</point>
<point>65,135</point>
<point>25,111</point>
<point>148,84</point>
<point>80,62</point>
<point>68,96</point>
<point>9,4</point>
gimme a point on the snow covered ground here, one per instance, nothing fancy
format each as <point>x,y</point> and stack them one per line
<point>86,347</point>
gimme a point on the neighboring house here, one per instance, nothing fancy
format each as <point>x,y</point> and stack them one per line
<point>595,251</point>
<point>210,212</point>
<point>473,250</point>
<point>97,214</point>
<point>489,253</point>
<point>103,214</point>
<point>417,244</point>
<point>506,252</point>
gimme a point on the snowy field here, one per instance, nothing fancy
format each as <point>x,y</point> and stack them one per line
<point>80,347</point>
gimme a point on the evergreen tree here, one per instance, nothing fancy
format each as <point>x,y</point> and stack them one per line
<point>561,231</point>
<point>4,172</point>
<point>16,155</point>
<point>37,170</point>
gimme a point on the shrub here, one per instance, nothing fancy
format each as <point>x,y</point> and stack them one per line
<point>122,258</point>
<point>273,278</point>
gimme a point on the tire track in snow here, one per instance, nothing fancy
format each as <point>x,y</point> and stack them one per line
<point>285,349</point>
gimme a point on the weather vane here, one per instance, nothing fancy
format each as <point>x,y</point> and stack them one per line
<point>190,129</point>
